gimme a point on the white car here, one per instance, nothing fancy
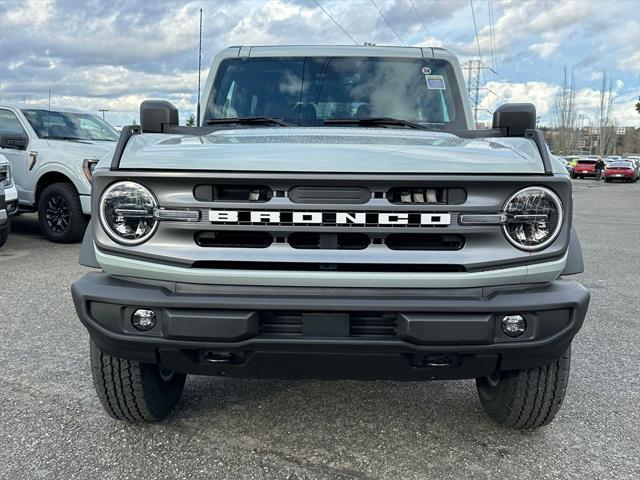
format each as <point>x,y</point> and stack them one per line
<point>9,204</point>
<point>7,183</point>
<point>52,153</point>
<point>635,159</point>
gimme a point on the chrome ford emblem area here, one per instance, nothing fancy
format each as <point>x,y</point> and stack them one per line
<point>294,217</point>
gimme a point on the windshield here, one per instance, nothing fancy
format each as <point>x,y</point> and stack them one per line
<point>622,166</point>
<point>70,126</point>
<point>309,90</point>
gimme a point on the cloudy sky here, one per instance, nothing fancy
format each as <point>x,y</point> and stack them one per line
<point>113,54</point>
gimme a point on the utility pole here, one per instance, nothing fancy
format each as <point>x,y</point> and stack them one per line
<point>103,110</point>
<point>474,70</point>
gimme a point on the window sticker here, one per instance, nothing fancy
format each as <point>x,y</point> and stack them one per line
<point>426,71</point>
<point>435,82</point>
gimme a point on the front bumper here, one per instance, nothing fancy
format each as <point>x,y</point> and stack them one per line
<point>3,216</point>
<point>308,332</point>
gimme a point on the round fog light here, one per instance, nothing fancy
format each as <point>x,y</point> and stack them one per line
<point>514,325</point>
<point>143,319</point>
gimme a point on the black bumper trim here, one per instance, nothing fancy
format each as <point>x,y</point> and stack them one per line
<point>404,356</point>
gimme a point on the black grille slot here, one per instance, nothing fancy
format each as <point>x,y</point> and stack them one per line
<point>232,193</point>
<point>335,241</point>
<point>343,195</point>
<point>420,241</point>
<point>372,324</point>
<point>340,267</point>
<point>361,324</point>
<point>427,195</point>
<point>281,323</point>
<point>234,239</point>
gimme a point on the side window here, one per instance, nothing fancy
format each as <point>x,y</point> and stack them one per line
<point>9,124</point>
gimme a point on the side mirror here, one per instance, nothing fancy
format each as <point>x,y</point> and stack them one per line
<point>157,116</point>
<point>515,118</point>
<point>14,142</point>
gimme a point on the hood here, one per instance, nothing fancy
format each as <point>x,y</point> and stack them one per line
<point>84,149</point>
<point>334,150</point>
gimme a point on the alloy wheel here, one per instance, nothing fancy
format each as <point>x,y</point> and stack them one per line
<point>57,214</point>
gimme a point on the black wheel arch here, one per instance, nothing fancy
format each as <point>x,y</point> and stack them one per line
<point>50,178</point>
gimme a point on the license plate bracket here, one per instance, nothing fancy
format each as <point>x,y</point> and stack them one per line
<point>325,324</point>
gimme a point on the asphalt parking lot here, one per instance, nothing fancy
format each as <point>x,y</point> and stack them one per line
<point>52,426</point>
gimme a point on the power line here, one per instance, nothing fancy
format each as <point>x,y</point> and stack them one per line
<point>475,27</point>
<point>419,17</point>
<point>334,21</point>
<point>492,23</point>
<point>388,22</point>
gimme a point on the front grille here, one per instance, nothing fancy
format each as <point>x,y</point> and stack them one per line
<point>377,236</point>
<point>361,324</point>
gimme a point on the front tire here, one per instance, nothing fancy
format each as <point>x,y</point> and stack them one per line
<point>60,213</point>
<point>4,233</point>
<point>526,399</point>
<point>134,391</point>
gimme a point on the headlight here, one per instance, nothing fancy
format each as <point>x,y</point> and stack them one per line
<point>5,176</point>
<point>533,218</point>
<point>127,213</point>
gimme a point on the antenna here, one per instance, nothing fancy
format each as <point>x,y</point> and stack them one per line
<point>199,70</point>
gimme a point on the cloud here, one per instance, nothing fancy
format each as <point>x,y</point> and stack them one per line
<point>31,13</point>
<point>540,94</point>
<point>113,54</point>
<point>545,50</point>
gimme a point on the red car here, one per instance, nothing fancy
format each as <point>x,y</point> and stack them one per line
<point>620,171</point>
<point>584,168</point>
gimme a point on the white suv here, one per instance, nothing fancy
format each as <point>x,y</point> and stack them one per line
<point>8,205</point>
<point>52,153</point>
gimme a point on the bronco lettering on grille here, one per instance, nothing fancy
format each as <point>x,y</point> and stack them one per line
<point>272,217</point>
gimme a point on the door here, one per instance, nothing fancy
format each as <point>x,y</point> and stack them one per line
<point>18,157</point>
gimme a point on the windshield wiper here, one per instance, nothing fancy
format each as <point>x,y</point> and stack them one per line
<point>249,121</point>
<point>375,122</point>
<point>55,137</point>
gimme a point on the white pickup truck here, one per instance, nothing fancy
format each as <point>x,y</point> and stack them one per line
<point>52,152</point>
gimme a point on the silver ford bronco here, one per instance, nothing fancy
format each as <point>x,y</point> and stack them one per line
<point>334,214</point>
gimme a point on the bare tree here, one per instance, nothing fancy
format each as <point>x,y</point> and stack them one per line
<point>566,116</point>
<point>606,127</point>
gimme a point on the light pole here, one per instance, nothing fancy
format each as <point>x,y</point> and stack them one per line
<point>103,110</point>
